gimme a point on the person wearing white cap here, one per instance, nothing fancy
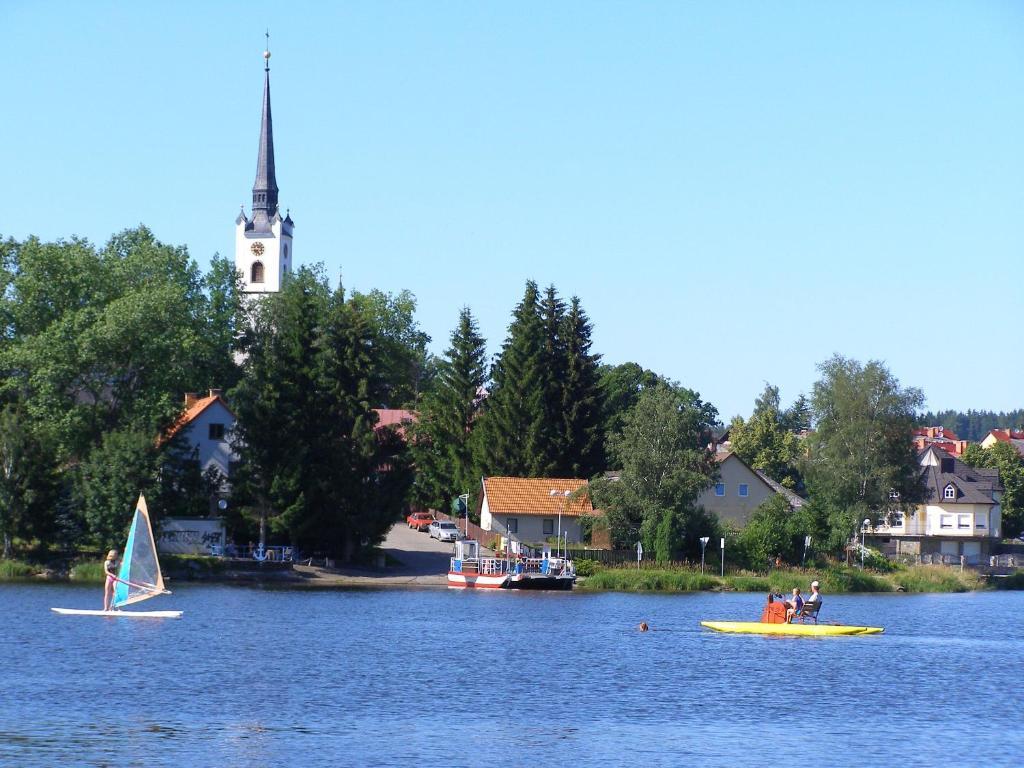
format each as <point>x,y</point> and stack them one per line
<point>815,596</point>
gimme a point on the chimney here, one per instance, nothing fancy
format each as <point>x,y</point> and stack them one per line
<point>215,392</point>
<point>191,398</point>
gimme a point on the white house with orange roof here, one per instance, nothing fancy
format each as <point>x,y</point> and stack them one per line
<point>207,425</point>
<point>534,509</point>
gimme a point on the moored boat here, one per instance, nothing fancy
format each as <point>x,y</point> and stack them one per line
<point>469,569</point>
<point>807,630</point>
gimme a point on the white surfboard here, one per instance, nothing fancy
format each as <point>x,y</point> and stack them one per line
<point>120,614</point>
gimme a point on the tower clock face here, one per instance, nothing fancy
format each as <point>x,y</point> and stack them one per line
<point>257,249</point>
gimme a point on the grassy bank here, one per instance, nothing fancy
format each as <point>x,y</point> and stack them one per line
<point>834,580</point>
<point>16,570</point>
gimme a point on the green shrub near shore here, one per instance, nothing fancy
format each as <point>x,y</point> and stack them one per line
<point>834,580</point>
<point>90,571</point>
<point>16,570</point>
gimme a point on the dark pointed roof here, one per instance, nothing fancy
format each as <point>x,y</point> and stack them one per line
<point>264,190</point>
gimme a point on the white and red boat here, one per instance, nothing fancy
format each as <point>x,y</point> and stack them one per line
<point>469,569</point>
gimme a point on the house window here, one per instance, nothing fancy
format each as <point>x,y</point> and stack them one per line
<point>980,522</point>
<point>216,431</point>
<point>896,519</point>
<point>549,526</point>
<point>720,489</point>
<point>946,521</point>
<point>512,524</point>
<point>894,495</point>
<point>949,492</point>
<point>963,521</point>
<point>257,272</point>
<point>744,490</point>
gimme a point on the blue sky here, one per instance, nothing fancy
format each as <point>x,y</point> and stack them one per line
<point>735,190</point>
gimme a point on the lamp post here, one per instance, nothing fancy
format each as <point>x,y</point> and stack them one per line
<point>863,530</point>
<point>703,545</point>
<point>464,498</point>
<point>565,498</point>
<point>723,557</point>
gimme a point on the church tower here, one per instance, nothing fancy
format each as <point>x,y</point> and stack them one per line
<point>263,242</point>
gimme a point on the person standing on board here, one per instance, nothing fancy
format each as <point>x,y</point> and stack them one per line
<point>110,572</point>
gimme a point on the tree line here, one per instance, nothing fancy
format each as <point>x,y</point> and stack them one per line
<point>99,344</point>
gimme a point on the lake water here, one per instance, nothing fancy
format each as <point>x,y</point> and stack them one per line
<point>253,677</point>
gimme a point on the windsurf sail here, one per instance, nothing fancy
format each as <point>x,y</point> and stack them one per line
<point>139,577</point>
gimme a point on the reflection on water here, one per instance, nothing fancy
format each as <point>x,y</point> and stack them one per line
<point>435,677</point>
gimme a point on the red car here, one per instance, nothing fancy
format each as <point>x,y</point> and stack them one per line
<point>420,520</point>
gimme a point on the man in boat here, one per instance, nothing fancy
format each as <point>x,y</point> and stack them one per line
<point>815,596</point>
<point>110,574</point>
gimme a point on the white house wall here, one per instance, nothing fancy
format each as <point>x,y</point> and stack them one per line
<point>216,453</point>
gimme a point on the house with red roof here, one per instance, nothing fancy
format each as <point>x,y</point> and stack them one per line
<point>940,437</point>
<point>534,509</point>
<point>206,425</point>
<point>1014,438</point>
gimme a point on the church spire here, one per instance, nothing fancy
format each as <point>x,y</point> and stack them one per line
<point>264,191</point>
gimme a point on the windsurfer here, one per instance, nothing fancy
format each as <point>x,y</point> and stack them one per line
<point>110,571</point>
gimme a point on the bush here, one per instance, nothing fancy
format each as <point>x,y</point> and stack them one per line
<point>629,580</point>
<point>587,567</point>
<point>15,570</point>
<point>936,578</point>
<point>90,571</point>
<point>1013,581</point>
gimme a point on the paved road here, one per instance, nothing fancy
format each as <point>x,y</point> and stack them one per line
<point>419,554</point>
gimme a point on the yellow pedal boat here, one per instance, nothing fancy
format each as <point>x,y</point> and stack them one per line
<point>808,630</point>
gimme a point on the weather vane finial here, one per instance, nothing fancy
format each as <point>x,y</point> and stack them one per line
<point>266,53</point>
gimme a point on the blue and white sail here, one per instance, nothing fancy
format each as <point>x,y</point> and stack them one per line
<point>139,577</point>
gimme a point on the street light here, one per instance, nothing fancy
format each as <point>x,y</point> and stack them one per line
<point>566,495</point>
<point>863,530</point>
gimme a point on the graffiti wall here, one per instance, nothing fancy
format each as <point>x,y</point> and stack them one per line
<point>190,535</point>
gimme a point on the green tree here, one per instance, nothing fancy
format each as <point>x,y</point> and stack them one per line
<point>773,529</point>
<point>666,464</point>
<point>580,407</point>
<point>765,443</point>
<point>553,447</point>
<point>1004,457</point>
<point>109,481</point>
<point>441,442</point>
<point>619,388</point>
<point>510,439</point>
<point>28,483</point>
<point>404,367</point>
<point>861,450</point>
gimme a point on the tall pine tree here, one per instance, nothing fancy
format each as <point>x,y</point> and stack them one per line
<point>441,446</point>
<point>511,436</point>
<point>553,447</point>
<point>581,413</point>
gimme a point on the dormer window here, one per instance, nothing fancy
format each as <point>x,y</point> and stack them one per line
<point>949,492</point>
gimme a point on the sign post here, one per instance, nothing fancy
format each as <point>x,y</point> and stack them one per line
<point>703,545</point>
<point>639,554</point>
<point>722,545</point>
<point>807,545</point>
<point>464,498</point>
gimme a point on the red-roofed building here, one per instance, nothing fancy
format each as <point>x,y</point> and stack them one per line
<point>1016,439</point>
<point>395,417</point>
<point>207,424</point>
<point>940,437</point>
<point>531,509</point>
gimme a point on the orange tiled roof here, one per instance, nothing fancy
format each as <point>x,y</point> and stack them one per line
<point>532,496</point>
<point>191,414</point>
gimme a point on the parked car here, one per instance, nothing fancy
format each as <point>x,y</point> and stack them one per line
<point>442,530</point>
<point>419,520</point>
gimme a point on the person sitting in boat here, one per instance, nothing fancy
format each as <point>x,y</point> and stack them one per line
<point>774,611</point>
<point>794,604</point>
<point>815,596</point>
<point>110,572</point>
